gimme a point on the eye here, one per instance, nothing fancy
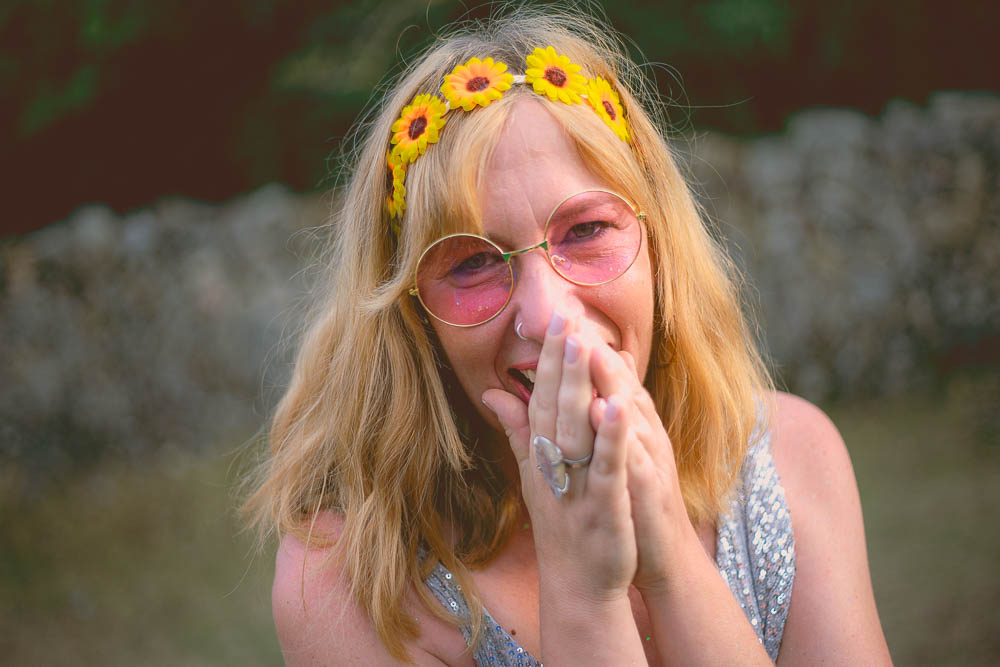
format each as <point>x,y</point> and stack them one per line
<point>586,230</point>
<point>474,262</point>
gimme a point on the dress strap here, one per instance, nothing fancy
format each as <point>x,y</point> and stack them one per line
<point>755,549</point>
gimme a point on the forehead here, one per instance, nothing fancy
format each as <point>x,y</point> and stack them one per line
<point>533,167</point>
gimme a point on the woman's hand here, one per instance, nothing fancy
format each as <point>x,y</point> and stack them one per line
<point>584,540</point>
<point>623,519</point>
<point>663,531</point>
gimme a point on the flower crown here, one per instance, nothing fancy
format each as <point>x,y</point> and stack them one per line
<point>478,83</point>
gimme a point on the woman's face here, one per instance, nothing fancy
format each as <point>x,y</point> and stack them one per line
<point>535,167</point>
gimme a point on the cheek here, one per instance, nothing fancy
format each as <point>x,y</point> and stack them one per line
<point>642,304</point>
<point>470,353</point>
<point>471,359</point>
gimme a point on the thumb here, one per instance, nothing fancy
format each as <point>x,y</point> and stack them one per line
<point>512,414</point>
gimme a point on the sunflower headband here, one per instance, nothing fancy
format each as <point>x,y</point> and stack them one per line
<point>477,83</point>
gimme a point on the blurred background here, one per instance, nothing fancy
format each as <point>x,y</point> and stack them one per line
<point>164,168</point>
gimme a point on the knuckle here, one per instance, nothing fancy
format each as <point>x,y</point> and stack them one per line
<point>543,402</point>
<point>642,397</point>
<point>566,429</point>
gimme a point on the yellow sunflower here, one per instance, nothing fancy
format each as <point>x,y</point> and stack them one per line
<point>608,106</point>
<point>395,177</point>
<point>476,82</point>
<point>418,126</point>
<point>554,75</point>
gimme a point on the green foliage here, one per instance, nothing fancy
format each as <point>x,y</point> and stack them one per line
<point>51,101</point>
<point>742,24</point>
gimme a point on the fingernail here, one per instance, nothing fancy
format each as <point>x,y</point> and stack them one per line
<point>612,409</point>
<point>602,405</point>
<point>557,323</point>
<point>488,405</point>
<point>572,351</point>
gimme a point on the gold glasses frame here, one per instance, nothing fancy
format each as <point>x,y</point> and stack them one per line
<point>508,255</point>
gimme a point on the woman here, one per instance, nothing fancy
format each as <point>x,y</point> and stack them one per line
<point>527,419</point>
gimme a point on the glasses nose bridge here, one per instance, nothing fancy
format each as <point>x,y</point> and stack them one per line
<point>543,244</point>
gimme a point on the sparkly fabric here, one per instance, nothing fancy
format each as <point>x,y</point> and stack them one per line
<point>755,548</point>
<point>755,554</point>
<point>495,647</point>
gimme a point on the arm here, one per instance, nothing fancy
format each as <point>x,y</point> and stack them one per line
<point>695,618</point>
<point>832,617</point>
<point>319,624</point>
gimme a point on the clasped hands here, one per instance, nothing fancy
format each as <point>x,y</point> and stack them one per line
<point>622,521</point>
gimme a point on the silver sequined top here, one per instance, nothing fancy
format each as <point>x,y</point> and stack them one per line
<point>755,554</point>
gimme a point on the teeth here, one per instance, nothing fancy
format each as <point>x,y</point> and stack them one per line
<point>530,374</point>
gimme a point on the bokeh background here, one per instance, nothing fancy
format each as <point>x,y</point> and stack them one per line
<point>166,167</point>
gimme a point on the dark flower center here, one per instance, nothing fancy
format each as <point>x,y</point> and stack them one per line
<point>388,179</point>
<point>417,127</point>
<point>476,84</point>
<point>555,76</point>
<point>610,109</point>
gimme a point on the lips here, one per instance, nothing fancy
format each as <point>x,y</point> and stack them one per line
<point>524,379</point>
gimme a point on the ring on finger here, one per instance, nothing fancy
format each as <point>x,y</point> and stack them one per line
<point>554,466</point>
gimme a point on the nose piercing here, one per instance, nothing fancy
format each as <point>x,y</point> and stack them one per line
<point>517,330</point>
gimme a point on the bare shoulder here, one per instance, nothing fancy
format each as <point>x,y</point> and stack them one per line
<point>832,617</point>
<point>809,451</point>
<point>317,620</point>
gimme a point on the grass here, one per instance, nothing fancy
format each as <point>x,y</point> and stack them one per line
<point>135,565</point>
<point>928,469</point>
<point>144,563</point>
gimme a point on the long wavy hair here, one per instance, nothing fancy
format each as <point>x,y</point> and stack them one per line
<point>372,426</point>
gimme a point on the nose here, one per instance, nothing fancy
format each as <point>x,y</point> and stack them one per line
<point>538,291</point>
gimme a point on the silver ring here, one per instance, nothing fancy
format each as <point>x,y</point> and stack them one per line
<point>554,466</point>
<point>517,330</point>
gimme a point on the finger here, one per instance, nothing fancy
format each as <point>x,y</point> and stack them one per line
<point>629,362</point>
<point>543,404</point>
<point>616,371</point>
<point>607,469</point>
<point>649,428</point>
<point>597,407</point>
<point>573,432</point>
<point>642,398</point>
<point>646,502</point>
<point>609,373</point>
<point>512,414</point>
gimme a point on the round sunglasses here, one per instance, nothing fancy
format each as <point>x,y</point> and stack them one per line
<point>590,238</point>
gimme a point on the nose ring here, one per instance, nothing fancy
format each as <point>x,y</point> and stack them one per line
<point>517,330</point>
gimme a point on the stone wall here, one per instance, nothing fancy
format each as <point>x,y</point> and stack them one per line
<point>872,245</point>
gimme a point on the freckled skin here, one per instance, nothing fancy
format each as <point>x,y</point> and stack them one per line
<point>535,167</point>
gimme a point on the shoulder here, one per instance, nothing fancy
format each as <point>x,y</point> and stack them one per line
<point>832,613</point>
<point>808,449</point>
<point>317,620</point>
<point>815,470</point>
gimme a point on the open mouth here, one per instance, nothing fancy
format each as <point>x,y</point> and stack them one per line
<point>525,380</point>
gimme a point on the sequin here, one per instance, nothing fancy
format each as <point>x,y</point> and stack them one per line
<point>760,530</point>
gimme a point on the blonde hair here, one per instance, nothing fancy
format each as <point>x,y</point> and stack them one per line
<point>371,424</point>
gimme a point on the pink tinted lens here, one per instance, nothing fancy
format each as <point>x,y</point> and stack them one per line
<point>463,280</point>
<point>594,237</point>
